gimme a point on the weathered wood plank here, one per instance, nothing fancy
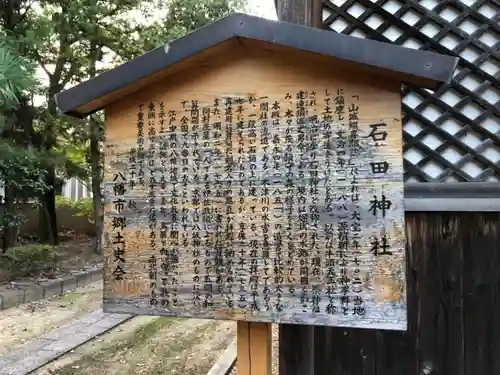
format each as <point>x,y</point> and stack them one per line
<point>254,349</point>
<point>477,285</point>
<point>308,276</point>
<point>297,356</point>
<point>294,358</point>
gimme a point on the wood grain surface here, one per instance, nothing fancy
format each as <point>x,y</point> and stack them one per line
<point>343,288</point>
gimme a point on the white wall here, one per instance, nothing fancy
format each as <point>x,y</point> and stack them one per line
<point>73,189</point>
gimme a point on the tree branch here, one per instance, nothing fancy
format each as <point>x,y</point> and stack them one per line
<point>63,47</point>
<point>71,72</point>
<point>39,60</point>
<point>28,7</point>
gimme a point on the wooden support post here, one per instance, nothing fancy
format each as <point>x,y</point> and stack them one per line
<point>254,352</point>
<point>302,12</point>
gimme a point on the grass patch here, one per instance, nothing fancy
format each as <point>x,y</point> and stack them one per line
<point>151,347</point>
<point>215,352</point>
<point>72,297</point>
<point>69,298</point>
<point>164,363</point>
<point>144,333</point>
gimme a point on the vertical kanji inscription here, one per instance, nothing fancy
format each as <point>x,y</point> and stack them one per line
<point>275,208</point>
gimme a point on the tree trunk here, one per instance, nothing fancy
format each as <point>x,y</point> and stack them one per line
<point>95,157</point>
<point>8,233</point>
<point>48,214</point>
<point>95,160</point>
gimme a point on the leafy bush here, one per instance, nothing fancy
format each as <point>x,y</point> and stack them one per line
<point>63,202</point>
<point>29,260</point>
<point>83,207</point>
<point>11,220</point>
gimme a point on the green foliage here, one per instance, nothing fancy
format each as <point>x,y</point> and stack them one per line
<point>83,207</point>
<point>72,41</point>
<point>22,168</point>
<point>10,220</point>
<point>183,17</point>
<point>73,160</point>
<point>16,79</point>
<point>29,260</point>
<point>17,76</point>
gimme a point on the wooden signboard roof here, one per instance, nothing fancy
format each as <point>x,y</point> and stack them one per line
<point>254,172</point>
<point>406,65</point>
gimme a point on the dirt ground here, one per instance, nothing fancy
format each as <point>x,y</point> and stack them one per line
<point>143,345</point>
<point>26,322</point>
<point>149,346</point>
<point>75,252</point>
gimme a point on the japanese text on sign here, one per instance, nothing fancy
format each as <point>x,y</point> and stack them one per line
<point>277,209</point>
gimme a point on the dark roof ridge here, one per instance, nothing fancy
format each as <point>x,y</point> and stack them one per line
<point>430,66</point>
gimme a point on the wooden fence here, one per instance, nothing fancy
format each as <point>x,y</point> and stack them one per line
<point>453,305</point>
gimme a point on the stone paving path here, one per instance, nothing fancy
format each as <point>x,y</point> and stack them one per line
<point>36,353</point>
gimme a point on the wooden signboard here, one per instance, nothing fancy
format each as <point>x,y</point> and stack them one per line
<point>277,202</point>
<point>251,180</point>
